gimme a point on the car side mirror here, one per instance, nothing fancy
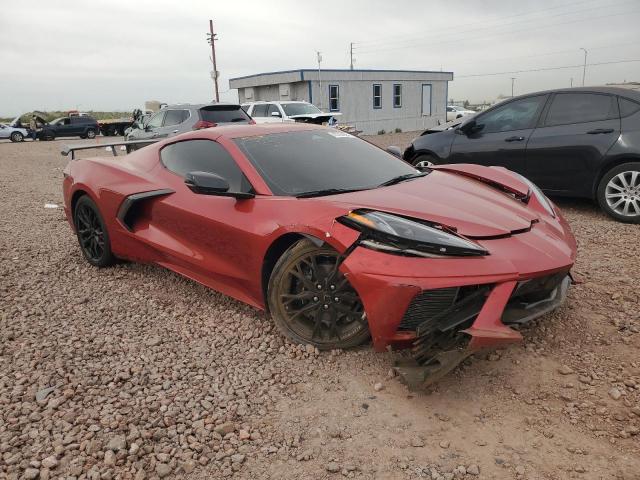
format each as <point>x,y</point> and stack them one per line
<point>395,151</point>
<point>276,114</point>
<point>207,183</point>
<point>470,127</point>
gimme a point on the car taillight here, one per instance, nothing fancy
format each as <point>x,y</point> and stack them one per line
<point>204,124</point>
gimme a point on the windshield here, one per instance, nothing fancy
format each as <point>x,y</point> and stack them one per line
<point>293,163</point>
<point>224,114</point>
<point>292,109</point>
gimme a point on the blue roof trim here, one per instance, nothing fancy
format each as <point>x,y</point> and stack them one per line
<point>302,70</point>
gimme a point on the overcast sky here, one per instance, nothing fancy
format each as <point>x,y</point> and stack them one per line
<point>114,55</point>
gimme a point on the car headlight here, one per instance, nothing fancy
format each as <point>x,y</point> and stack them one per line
<point>541,197</point>
<point>399,235</point>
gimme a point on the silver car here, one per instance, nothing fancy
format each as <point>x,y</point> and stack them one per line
<point>175,119</point>
<point>15,134</point>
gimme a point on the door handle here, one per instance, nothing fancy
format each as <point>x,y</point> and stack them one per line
<point>175,131</point>
<point>600,130</point>
<point>514,139</point>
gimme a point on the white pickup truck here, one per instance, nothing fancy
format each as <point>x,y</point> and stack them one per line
<point>288,111</point>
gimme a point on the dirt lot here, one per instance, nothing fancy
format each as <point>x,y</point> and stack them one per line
<point>155,376</point>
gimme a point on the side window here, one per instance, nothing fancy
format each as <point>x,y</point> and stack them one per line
<point>450,109</point>
<point>246,108</point>
<point>259,110</point>
<point>175,117</point>
<point>273,108</point>
<point>397,95</point>
<point>204,156</point>
<point>627,107</point>
<point>377,95</point>
<point>334,98</point>
<point>581,107</point>
<point>156,120</point>
<point>517,115</point>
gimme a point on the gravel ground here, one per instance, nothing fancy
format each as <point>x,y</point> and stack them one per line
<point>134,372</point>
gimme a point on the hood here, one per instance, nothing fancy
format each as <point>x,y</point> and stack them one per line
<point>473,208</point>
<point>318,118</point>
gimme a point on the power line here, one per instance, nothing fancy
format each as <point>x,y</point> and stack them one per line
<point>457,40</point>
<point>542,69</point>
<point>484,26</point>
<point>484,22</point>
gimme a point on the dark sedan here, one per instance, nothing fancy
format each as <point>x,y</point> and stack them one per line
<point>578,142</point>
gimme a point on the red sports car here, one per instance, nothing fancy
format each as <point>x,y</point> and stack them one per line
<point>337,239</point>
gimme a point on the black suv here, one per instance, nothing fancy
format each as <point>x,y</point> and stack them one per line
<point>579,142</point>
<point>74,126</point>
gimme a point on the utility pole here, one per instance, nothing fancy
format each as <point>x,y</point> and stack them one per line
<point>571,82</point>
<point>211,38</point>
<point>351,55</point>
<point>584,68</point>
<point>513,79</point>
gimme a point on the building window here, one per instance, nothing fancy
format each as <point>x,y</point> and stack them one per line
<point>426,99</point>
<point>377,95</point>
<point>334,98</point>
<point>397,95</point>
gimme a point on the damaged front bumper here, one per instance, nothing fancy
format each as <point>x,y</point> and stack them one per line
<point>444,310</point>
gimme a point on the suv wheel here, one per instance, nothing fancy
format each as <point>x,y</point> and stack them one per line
<point>91,133</point>
<point>619,192</point>
<point>423,161</point>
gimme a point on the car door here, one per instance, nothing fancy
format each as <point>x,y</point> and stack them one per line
<point>274,115</point>
<point>63,128</point>
<point>5,131</point>
<point>259,113</point>
<point>565,151</point>
<point>171,125</point>
<point>152,126</point>
<point>500,135</point>
<point>200,233</point>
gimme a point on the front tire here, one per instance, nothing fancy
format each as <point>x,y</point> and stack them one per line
<point>423,160</point>
<point>312,302</point>
<point>17,137</point>
<point>92,233</point>
<point>619,192</point>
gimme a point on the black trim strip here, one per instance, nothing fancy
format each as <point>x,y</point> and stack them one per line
<point>126,209</point>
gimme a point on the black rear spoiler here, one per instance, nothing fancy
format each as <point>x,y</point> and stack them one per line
<point>129,147</point>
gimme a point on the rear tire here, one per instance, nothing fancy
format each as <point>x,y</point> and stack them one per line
<point>91,133</point>
<point>312,302</point>
<point>17,137</point>
<point>619,192</point>
<point>423,160</point>
<point>92,233</point>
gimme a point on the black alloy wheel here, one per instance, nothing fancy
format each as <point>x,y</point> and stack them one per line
<point>92,233</point>
<point>312,302</point>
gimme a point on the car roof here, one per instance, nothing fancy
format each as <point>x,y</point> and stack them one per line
<point>233,130</point>
<point>623,92</point>
<point>274,101</point>
<point>197,106</point>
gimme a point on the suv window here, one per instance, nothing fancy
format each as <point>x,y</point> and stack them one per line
<point>273,108</point>
<point>204,156</point>
<point>175,117</point>
<point>259,110</point>
<point>156,120</point>
<point>581,107</point>
<point>628,107</point>
<point>516,115</point>
<point>223,114</point>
